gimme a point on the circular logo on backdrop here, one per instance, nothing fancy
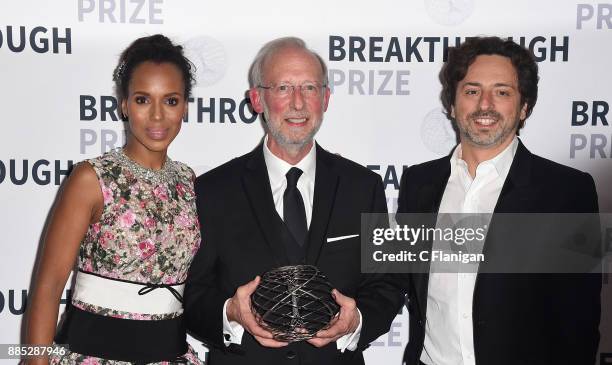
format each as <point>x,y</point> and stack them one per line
<point>437,132</point>
<point>449,12</point>
<point>209,57</point>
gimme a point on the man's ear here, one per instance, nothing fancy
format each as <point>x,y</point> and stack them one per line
<point>326,96</point>
<point>256,102</point>
<point>523,115</point>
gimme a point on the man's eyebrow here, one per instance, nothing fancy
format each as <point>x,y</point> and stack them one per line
<point>504,85</point>
<point>474,83</point>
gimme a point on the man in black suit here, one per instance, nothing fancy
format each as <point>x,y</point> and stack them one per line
<point>489,90</point>
<point>287,202</point>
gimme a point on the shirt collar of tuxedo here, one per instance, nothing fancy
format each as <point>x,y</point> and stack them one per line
<point>278,168</point>
<point>501,162</point>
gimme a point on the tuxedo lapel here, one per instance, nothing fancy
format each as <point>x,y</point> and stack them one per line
<point>326,183</point>
<point>514,197</point>
<point>256,184</point>
<point>430,196</point>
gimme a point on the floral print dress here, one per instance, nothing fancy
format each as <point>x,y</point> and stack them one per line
<point>148,233</point>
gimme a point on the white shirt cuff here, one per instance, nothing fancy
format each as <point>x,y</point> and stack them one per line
<point>233,331</point>
<point>350,340</point>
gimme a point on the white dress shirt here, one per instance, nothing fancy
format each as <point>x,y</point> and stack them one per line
<point>449,334</point>
<point>277,169</point>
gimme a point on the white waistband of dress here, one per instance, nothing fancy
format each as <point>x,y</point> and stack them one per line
<point>128,296</point>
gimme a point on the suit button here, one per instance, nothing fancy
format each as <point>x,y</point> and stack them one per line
<point>290,355</point>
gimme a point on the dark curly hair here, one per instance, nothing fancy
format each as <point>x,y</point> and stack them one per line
<point>156,48</point>
<point>460,58</point>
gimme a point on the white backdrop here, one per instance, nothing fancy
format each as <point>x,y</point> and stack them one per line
<point>57,57</point>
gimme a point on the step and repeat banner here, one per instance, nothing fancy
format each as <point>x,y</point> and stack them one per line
<point>58,106</point>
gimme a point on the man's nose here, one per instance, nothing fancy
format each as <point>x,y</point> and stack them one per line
<point>486,100</point>
<point>297,99</point>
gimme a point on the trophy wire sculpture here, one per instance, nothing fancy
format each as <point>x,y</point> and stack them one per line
<point>294,302</point>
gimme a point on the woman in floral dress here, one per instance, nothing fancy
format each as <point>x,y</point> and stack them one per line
<point>128,219</point>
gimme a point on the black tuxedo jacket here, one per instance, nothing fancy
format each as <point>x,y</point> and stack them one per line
<point>534,319</point>
<point>243,236</point>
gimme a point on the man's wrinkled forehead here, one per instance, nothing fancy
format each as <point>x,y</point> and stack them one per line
<point>286,54</point>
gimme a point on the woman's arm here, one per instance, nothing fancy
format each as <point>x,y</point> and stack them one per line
<point>79,204</point>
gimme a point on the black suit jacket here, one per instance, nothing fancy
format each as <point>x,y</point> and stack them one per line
<point>243,237</point>
<point>534,319</point>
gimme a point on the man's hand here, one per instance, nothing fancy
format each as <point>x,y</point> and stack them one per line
<point>344,323</point>
<point>239,310</point>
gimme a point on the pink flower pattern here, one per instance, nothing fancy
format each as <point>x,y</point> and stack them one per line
<point>127,219</point>
<point>160,192</point>
<point>147,248</point>
<point>150,222</point>
<point>91,361</point>
<point>107,193</point>
<point>183,220</point>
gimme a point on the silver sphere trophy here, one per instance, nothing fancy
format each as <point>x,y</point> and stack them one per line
<point>294,302</point>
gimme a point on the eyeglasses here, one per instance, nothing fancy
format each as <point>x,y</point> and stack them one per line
<point>307,89</point>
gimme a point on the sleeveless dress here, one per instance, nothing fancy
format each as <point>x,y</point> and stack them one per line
<point>148,234</point>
